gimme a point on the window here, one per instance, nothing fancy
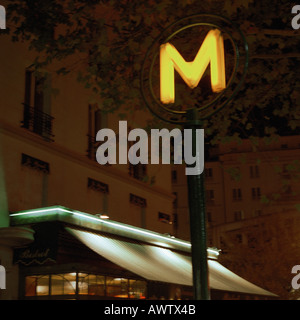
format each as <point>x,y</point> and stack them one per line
<point>33,188</point>
<point>79,283</point>
<point>208,173</point>
<point>63,284</point>
<point>35,164</point>
<point>174,176</point>
<point>97,185</point>
<point>137,289</point>
<point>223,245</point>
<point>138,171</point>
<point>287,189</point>
<point>97,196</point>
<point>91,284</point>
<point>117,287</point>
<point>37,102</point>
<point>97,120</point>
<point>254,172</point>
<point>175,220</point>
<point>237,194</point>
<point>138,201</point>
<point>210,196</point>
<point>164,217</point>
<point>252,241</point>
<point>239,238</point>
<point>175,201</point>
<point>256,213</point>
<point>255,192</point>
<point>238,215</point>
<point>56,285</point>
<point>140,204</point>
<point>208,215</point>
<point>234,173</point>
<point>37,286</point>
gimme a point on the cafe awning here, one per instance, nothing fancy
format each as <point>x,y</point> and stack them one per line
<point>161,264</point>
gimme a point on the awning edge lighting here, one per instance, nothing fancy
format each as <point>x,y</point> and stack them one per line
<point>152,234</point>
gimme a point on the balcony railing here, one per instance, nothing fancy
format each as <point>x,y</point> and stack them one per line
<point>38,122</point>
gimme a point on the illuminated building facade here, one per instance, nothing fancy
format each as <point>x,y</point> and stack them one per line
<point>48,125</point>
<point>242,186</point>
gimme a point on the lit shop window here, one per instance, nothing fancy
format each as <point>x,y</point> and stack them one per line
<point>58,284</point>
<point>117,287</point>
<point>37,286</point>
<point>71,284</point>
<point>91,284</point>
<point>62,284</point>
<point>137,289</point>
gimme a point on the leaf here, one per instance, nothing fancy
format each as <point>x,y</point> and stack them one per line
<point>264,199</point>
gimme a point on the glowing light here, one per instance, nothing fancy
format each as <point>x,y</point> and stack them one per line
<point>104,216</point>
<point>211,51</point>
<point>95,218</point>
<point>30,212</point>
<point>119,226</point>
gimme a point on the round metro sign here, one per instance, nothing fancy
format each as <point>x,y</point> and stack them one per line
<point>198,62</point>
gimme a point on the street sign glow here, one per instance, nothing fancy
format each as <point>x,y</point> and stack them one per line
<point>211,51</point>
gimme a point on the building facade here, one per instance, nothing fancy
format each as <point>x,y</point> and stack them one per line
<point>244,181</point>
<point>48,143</point>
<point>48,125</point>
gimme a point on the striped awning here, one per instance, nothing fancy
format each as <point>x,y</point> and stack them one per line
<point>161,264</point>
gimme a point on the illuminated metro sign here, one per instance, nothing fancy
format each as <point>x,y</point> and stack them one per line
<point>216,42</point>
<point>211,52</point>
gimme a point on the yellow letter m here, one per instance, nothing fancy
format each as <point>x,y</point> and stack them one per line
<point>211,51</point>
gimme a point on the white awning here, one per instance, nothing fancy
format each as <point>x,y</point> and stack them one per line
<point>161,264</point>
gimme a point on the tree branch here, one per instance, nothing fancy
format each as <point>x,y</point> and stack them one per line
<point>276,56</point>
<point>273,32</point>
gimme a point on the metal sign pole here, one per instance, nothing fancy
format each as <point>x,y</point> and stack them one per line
<point>196,196</point>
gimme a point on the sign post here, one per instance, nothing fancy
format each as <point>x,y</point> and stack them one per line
<point>223,43</point>
<point>196,196</point>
